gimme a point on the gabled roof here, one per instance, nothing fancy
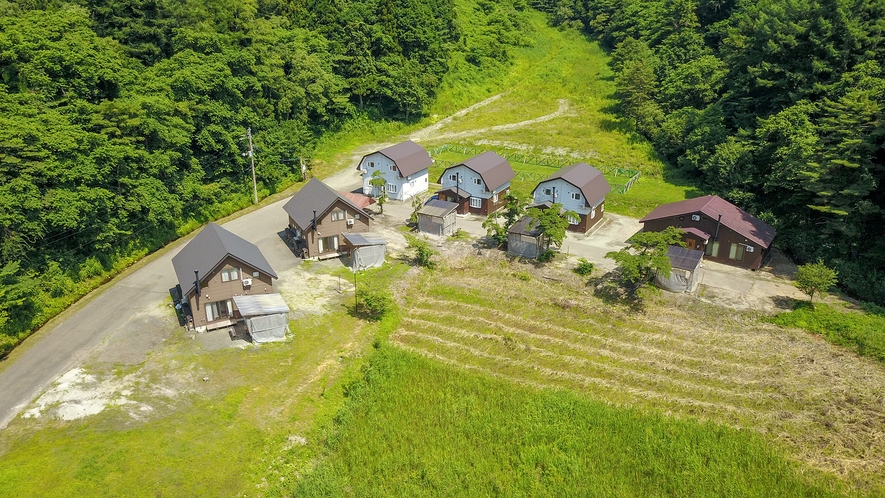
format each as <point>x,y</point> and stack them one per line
<point>318,196</point>
<point>211,247</point>
<point>733,217</point>
<point>698,232</point>
<point>494,169</point>
<point>588,179</point>
<point>408,156</point>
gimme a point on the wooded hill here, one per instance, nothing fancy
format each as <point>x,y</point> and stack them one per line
<point>122,121</point>
<point>775,105</point>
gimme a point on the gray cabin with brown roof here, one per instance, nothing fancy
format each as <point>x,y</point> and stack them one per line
<point>319,215</point>
<point>580,188</point>
<point>478,185</point>
<point>225,265</point>
<point>726,233</point>
<point>405,167</point>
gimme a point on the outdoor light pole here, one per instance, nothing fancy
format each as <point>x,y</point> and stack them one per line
<point>252,158</point>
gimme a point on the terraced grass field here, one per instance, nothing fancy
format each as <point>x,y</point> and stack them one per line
<point>823,404</point>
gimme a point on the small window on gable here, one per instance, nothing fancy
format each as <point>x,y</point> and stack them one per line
<point>392,167</point>
<point>454,178</point>
<point>371,164</point>
<point>256,274</point>
<point>548,191</point>
<point>477,181</point>
<point>576,196</point>
<point>338,215</point>
<point>356,216</point>
<point>230,274</point>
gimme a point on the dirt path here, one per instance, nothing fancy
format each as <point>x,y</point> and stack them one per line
<point>561,111</point>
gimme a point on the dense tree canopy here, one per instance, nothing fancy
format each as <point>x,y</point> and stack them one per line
<point>775,105</point>
<point>122,121</point>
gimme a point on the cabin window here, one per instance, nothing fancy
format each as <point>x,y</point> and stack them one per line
<point>736,252</point>
<point>602,208</point>
<point>576,196</point>
<point>593,213</point>
<point>219,310</point>
<point>328,244</point>
<point>256,274</point>
<point>495,198</point>
<point>230,274</point>
<point>371,164</point>
<point>475,202</point>
<point>356,216</point>
<point>477,181</point>
<point>454,178</point>
<point>392,168</point>
<point>338,215</point>
<point>548,191</point>
<point>713,249</point>
<point>574,220</point>
<point>391,188</point>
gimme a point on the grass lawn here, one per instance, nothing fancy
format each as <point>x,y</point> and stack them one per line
<point>415,427</point>
<point>220,437</point>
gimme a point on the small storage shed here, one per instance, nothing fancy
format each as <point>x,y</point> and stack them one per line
<point>437,218</point>
<point>366,250</point>
<point>266,316</point>
<point>523,239</point>
<point>685,270</point>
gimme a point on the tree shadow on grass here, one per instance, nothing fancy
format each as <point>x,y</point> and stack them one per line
<point>612,291</point>
<point>784,303</point>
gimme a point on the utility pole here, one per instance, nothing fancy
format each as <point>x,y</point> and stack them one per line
<point>252,158</point>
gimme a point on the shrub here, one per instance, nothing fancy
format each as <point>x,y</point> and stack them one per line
<point>547,256</point>
<point>375,303</point>
<point>423,252</point>
<point>584,267</point>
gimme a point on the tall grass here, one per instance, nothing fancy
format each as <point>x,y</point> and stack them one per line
<point>862,332</point>
<point>414,427</point>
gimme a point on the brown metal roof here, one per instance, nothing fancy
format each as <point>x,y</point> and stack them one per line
<point>208,249</point>
<point>408,156</point>
<point>521,227</point>
<point>318,196</point>
<point>684,259</point>
<point>461,193</point>
<point>588,179</point>
<point>494,169</point>
<point>712,206</point>
<point>697,231</point>
<point>362,201</point>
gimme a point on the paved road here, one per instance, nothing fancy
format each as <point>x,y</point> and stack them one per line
<point>117,315</point>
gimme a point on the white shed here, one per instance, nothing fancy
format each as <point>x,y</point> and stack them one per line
<point>366,250</point>
<point>685,270</point>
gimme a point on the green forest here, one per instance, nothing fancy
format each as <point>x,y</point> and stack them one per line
<point>123,122</point>
<point>775,105</point>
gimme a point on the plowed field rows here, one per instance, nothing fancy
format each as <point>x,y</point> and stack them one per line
<point>679,355</point>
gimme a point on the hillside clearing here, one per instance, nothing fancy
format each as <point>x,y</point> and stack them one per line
<point>682,357</point>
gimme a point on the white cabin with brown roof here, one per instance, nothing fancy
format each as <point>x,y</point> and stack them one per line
<point>478,185</point>
<point>405,167</point>
<point>579,188</point>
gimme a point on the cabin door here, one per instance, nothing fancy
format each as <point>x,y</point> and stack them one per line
<point>690,244</point>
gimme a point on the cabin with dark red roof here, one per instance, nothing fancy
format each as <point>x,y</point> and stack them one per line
<point>726,233</point>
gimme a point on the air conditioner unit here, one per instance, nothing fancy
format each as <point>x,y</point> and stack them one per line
<point>349,221</point>
<point>750,249</point>
<point>695,217</point>
<point>247,282</point>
